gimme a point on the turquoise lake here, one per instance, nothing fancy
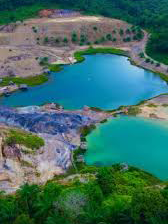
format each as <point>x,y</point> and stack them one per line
<point>102,80</point>
<point>136,141</point>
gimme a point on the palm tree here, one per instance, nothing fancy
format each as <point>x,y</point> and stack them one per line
<point>45,202</point>
<point>27,196</point>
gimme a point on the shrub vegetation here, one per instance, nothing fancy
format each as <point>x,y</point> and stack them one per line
<point>24,138</point>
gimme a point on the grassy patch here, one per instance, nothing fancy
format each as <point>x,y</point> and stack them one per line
<point>79,54</point>
<point>103,121</point>
<point>55,68</point>
<point>158,56</point>
<point>96,109</point>
<point>87,129</point>
<point>134,110</point>
<point>165,105</point>
<point>163,76</point>
<point>78,152</point>
<point>30,81</point>
<point>23,138</point>
<point>151,105</point>
<point>26,163</point>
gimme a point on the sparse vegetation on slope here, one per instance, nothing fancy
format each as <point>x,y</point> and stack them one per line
<point>31,81</point>
<point>150,14</point>
<point>29,140</point>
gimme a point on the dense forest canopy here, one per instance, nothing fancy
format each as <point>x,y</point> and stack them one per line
<point>142,12</point>
<point>107,195</point>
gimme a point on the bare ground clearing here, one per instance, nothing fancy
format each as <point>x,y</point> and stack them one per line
<point>25,44</point>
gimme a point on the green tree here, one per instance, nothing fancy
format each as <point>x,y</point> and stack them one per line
<point>121,32</point>
<point>109,36</point>
<point>105,180</point>
<point>45,203</point>
<point>27,197</point>
<point>148,203</point>
<point>23,219</point>
<point>8,209</point>
<point>65,40</point>
<point>117,209</point>
<point>46,40</point>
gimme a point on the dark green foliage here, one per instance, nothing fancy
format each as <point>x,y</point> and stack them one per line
<point>102,39</point>
<point>127,39</point>
<point>105,180</point>
<point>87,129</point>
<point>103,121</point>
<point>8,209</point>
<point>74,37</point>
<point>43,61</point>
<point>121,32</point>
<point>83,38</point>
<point>96,42</point>
<point>27,197</point>
<point>57,40</point>
<point>134,110</point>
<point>101,195</point>
<point>148,204</point>
<point>109,36</point>
<point>23,219</point>
<point>46,40</point>
<point>157,46</point>
<point>65,40</point>
<point>95,28</point>
<point>147,60</point>
<point>74,34</point>
<point>141,55</point>
<point>135,37</point>
<point>128,31</point>
<point>55,68</point>
<point>140,35</point>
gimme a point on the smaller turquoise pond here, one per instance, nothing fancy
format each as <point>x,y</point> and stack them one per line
<point>102,80</point>
<point>139,142</point>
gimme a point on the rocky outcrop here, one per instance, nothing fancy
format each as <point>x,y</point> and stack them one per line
<point>8,28</point>
<point>1,156</point>
<point>59,129</point>
<point>43,122</point>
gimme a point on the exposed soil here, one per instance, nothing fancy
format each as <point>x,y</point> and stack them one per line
<point>22,46</point>
<point>155,108</point>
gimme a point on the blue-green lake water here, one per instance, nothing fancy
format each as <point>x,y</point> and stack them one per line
<point>102,80</point>
<point>108,81</point>
<point>138,142</point>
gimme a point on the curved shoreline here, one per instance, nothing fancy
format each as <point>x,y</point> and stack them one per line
<point>74,54</point>
<point>78,57</point>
